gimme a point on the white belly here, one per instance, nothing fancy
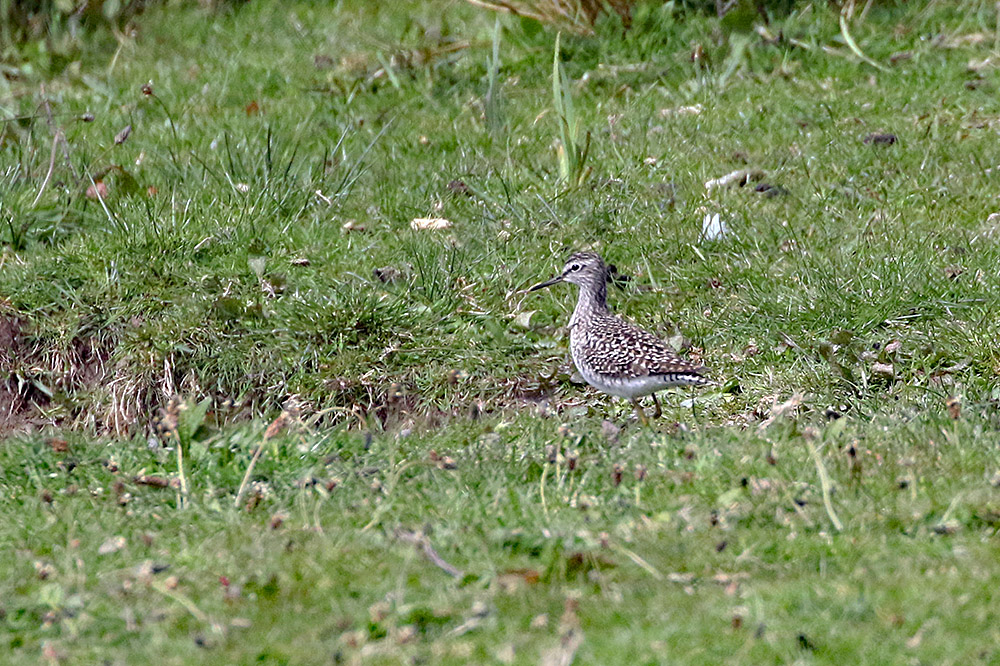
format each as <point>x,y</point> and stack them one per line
<point>628,388</point>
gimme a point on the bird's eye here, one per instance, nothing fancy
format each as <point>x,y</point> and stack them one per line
<point>575,267</point>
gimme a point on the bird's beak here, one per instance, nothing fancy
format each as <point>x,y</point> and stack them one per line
<point>547,283</point>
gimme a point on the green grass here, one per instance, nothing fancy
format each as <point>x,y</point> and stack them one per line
<point>218,268</point>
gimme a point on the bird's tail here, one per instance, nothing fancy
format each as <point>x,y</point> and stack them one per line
<point>692,377</point>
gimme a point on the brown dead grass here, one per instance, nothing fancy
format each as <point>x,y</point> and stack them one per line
<point>32,375</point>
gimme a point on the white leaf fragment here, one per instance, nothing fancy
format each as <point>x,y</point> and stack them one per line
<point>739,177</point>
<point>713,227</point>
<point>523,319</point>
<point>429,224</point>
<point>693,110</point>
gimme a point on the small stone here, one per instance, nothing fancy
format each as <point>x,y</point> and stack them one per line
<point>880,139</point>
<point>884,371</point>
<point>946,528</point>
<point>387,274</point>
<point>610,431</point>
<point>540,621</point>
<point>123,136</point>
<point>954,405</point>
<point>952,272</point>
<point>769,190</point>
<point>572,460</point>
<point>459,187</point>
<point>111,545</point>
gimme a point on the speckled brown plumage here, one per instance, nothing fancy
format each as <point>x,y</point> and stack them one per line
<point>618,349</point>
<point>613,355</point>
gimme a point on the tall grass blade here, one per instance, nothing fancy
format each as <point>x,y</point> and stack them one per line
<point>571,155</point>
<point>495,120</point>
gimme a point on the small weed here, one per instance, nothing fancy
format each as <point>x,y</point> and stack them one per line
<point>572,156</point>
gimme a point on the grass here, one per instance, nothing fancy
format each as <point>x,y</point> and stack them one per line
<point>440,490</point>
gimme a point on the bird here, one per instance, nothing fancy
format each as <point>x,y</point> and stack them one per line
<point>613,355</point>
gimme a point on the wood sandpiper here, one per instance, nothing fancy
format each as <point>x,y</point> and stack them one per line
<point>613,355</point>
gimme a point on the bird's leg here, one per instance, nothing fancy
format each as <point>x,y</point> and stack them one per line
<point>638,412</point>
<point>659,412</point>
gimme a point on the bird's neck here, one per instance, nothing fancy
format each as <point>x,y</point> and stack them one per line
<point>593,300</point>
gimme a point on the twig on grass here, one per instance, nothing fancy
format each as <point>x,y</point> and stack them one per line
<point>180,474</point>
<point>48,174</point>
<point>824,483</point>
<point>147,90</point>
<point>58,138</point>
<point>541,490</point>
<point>278,425</point>
<point>421,542</point>
<point>246,476</point>
<point>181,599</point>
<point>169,423</point>
<point>184,601</point>
<point>649,568</point>
<point>845,14</point>
<point>57,131</point>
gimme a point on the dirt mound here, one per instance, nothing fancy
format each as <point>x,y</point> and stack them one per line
<point>30,375</point>
<point>10,334</point>
<point>15,403</point>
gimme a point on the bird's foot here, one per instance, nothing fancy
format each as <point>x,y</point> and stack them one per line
<point>643,419</point>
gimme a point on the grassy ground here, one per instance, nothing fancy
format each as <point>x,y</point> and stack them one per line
<point>444,492</point>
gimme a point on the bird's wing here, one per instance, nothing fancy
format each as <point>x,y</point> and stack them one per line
<point>624,350</point>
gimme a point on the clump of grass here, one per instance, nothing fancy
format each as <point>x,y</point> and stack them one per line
<point>572,156</point>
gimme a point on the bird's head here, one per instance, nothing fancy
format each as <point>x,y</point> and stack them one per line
<point>582,268</point>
